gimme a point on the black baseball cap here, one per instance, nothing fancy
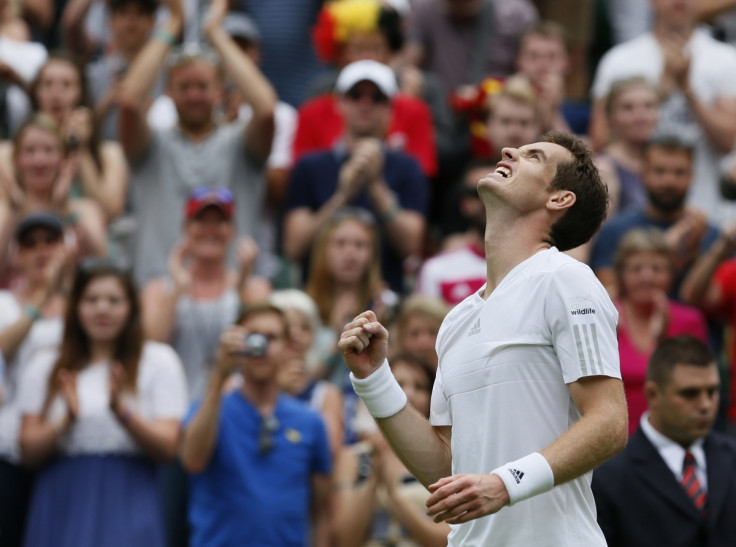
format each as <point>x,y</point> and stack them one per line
<point>45,219</point>
<point>148,6</point>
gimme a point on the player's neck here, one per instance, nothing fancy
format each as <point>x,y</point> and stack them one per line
<point>508,243</point>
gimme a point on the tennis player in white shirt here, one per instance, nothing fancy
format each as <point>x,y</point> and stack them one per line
<point>528,397</point>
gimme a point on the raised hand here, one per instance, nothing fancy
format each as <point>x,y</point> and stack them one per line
<point>178,267</point>
<point>364,344</point>
<point>229,352</point>
<point>246,253</point>
<point>117,387</point>
<point>215,15</point>
<point>64,180</point>
<point>78,127</point>
<point>11,191</point>
<point>369,158</point>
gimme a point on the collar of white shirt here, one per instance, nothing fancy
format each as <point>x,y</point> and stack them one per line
<point>673,454</point>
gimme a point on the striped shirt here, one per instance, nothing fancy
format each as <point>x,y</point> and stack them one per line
<point>504,366</point>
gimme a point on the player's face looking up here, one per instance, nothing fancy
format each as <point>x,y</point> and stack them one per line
<point>522,178</point>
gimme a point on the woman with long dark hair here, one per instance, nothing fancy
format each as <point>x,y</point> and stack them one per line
<point>97,414</point>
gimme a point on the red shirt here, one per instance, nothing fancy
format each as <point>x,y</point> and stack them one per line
<point>320,125</point>
<point>725,277</point>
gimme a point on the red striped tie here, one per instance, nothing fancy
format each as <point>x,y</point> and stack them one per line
<point>690,482</point>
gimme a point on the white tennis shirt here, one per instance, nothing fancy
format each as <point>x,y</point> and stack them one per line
<point>504,366</point>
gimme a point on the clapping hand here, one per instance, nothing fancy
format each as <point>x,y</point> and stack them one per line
<point>178,266</point>
<point>117,387</point>
<point>67,382</point>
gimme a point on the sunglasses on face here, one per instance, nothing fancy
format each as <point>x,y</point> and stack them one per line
<point>375,96</point>
<point>266,441</point>
<point>33,242</point>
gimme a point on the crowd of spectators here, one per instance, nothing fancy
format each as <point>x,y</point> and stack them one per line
<point>197,195</point>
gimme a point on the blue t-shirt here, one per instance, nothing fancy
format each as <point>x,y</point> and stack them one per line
<point>244,497</point>
<point>314,181</point>
<point>606,244</point>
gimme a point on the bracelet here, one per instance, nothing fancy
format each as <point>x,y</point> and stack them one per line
<point>526,477</point>
<point>381,393</point>
<point>389,214</point>
<point>32,312</point>
<point>163,35</point>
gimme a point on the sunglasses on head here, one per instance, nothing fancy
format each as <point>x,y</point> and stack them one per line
<point>375,96</point>
<point>266,441</point>
<point>223,195</point>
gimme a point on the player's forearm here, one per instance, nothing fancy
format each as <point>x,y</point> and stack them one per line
<point>424,451</point>
<point>601,432</point>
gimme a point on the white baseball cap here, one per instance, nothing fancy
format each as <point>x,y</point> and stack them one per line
<point>367,70</point>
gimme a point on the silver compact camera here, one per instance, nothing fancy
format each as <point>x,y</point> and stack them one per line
<point>255,345</point>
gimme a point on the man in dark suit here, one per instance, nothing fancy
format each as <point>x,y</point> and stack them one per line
<point>675,483</point>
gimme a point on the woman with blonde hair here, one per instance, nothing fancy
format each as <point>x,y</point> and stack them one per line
<point>101,171</point>
<point>417,324</point>
<point>345,267</point>
<point>344,280</point>
<point>644,273</point>
<point>632,109</point>
<point>40,182</point>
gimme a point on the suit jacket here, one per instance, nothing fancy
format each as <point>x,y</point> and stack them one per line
<point>640,503</point>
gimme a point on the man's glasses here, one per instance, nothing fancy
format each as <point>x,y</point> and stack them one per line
<point>266,441</point>
<point>375,96</point>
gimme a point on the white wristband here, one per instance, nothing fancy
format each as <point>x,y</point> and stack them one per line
<point>381,393</point>
<point>526,477</point>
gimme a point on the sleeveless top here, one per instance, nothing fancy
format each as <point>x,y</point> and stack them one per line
<point>198,326</point>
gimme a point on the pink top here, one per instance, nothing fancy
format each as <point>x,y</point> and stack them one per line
<point>683,320</point>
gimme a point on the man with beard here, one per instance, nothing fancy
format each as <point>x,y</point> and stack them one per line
<point>667,176</point>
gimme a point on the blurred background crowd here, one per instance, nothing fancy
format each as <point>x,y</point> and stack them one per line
<point>178,175</point>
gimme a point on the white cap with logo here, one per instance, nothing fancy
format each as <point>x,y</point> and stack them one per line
<point>367,70</point>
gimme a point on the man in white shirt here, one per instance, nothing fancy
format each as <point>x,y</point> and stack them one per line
<point>675,483</point>
<point>528,397</point>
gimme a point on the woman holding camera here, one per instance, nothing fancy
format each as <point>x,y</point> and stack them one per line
<point>98,413</point>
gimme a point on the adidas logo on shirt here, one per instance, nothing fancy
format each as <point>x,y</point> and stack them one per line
<point>475,329</point>
<point>518,475</point>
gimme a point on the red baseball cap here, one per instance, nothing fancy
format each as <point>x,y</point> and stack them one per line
<point>210,196</point>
